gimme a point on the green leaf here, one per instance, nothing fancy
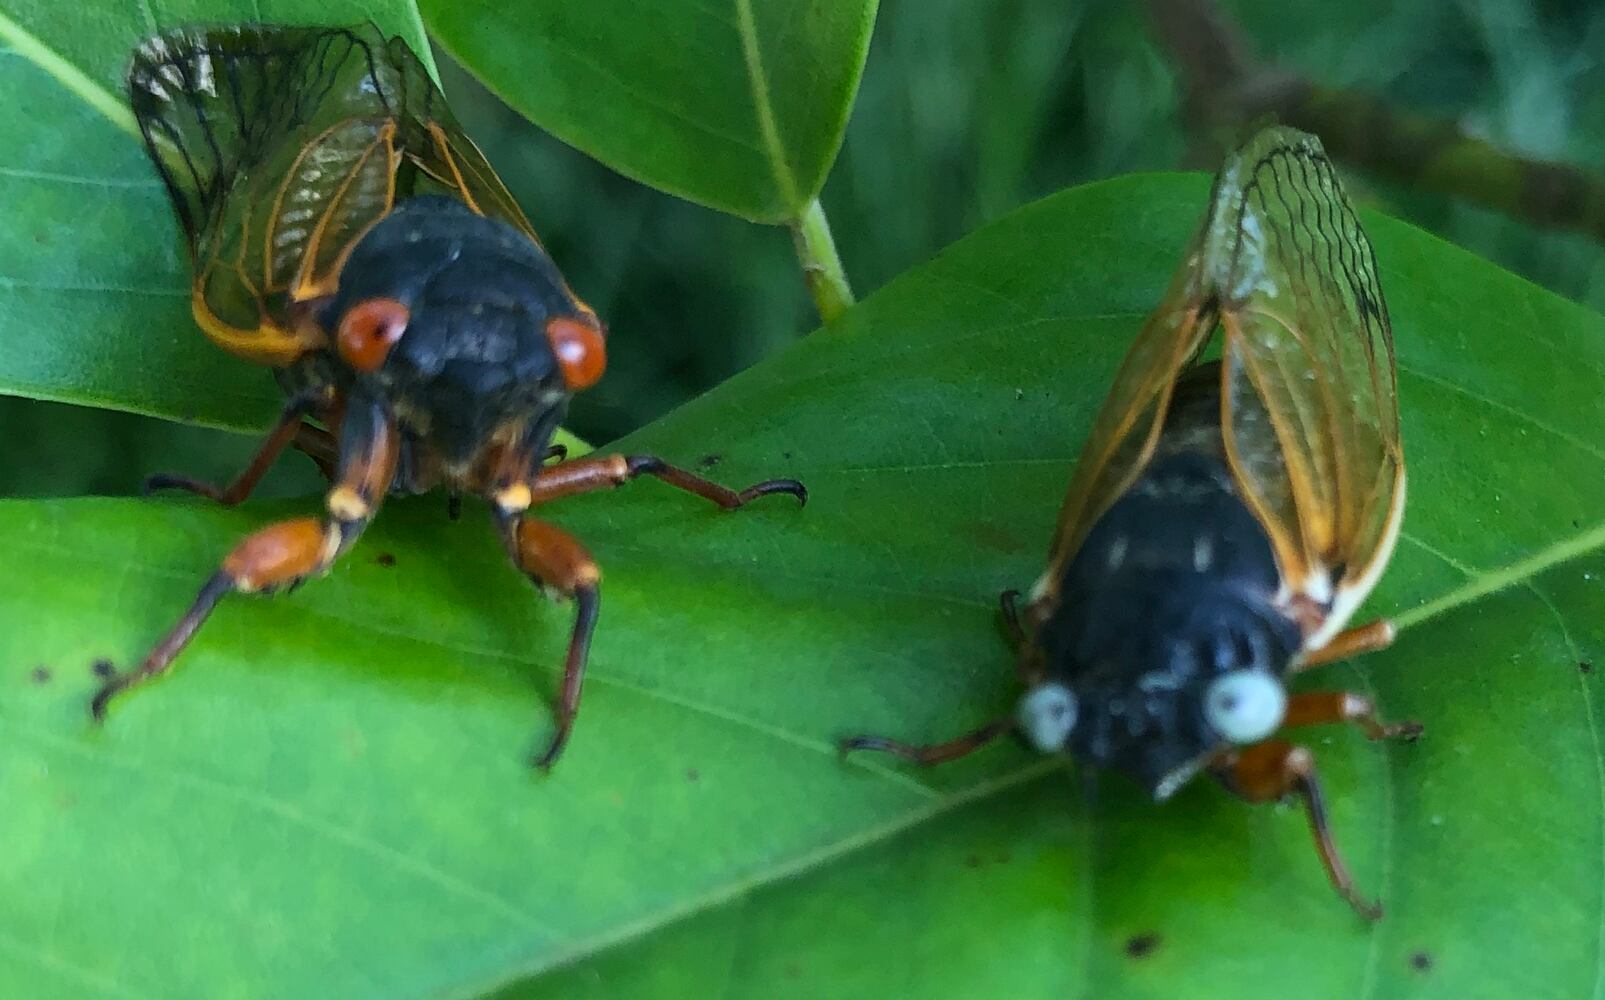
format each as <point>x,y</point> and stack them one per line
<point>736,104</point>
<point>330,796</point>
<point>94,287</point>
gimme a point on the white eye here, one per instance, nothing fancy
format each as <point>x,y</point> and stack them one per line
<point>1046,714</point>
<point>1245,706</point>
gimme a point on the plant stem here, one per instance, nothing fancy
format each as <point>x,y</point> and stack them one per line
<point>1226,86</point>
<point>822,269</point>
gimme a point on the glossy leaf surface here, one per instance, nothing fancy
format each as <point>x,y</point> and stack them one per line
<point>737,104</point>
<point>94,284</point>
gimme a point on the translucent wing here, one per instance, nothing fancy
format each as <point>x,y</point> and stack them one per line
<point>1127,427</point>
<point>442,157</point>
<point>280,147</point>
<point>1310,389</point>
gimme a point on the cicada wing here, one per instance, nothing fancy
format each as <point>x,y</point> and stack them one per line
<point>277,148</point>
<point>1127,427</point>
<point>452,164</point>
<point>280,148</point>
<point>1310,387</point>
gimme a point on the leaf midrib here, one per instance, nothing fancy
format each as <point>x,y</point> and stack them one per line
<point>111,106</point>
<point>1522,572</point>
<point>77,82</point>
<point>768,127</point>
<point>289,812</point>
<point>805,862</point>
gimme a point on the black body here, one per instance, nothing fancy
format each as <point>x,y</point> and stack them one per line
<point>474,363</point>
<point>1174,586</point>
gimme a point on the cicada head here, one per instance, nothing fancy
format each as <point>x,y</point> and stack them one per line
<point>1165,640</point>
<point>462,324</point>
<point>1162,683</point>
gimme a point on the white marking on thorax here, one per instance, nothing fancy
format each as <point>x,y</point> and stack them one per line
<point>1117,553</point>
<point>1348,598</point>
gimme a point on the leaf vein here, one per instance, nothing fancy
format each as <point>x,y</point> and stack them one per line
<point>1521,571</point>
<point>577,950</point>
<point>19,284</point>
<point>1591,718</point>
<point>64,967</point>
<point>1525,418</point>
<point>773,147</point>
<point>22,173</point>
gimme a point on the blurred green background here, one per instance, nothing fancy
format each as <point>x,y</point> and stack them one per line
<point>968,109</point>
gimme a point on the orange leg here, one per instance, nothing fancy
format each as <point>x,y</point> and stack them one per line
<point>516,493</point>
<point>282,554</point>
<point>553,558</point>
<point>1366,638</point>
<point>1269,771</point>
<point>1276,768</point>
<point>933,753</point>
<point>289,428</point>
<point>454,499</point>
<point>1319,708</point>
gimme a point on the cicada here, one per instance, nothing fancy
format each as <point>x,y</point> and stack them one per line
<point>1228,512</point>
<point>344,231</point>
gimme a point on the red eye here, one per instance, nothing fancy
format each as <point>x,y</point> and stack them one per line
<point>369,330</point>
<point>580,348</point>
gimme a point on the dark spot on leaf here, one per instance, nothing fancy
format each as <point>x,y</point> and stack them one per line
<point>1003,857</point>
<point>1586,666</point>
<point>1142,945</point>
<point>993,535</point>
<point>385,559</point>
<point>41,675</point>
<point>1019,394</point>
<point>793,971</point>
<point>786,455</point>
<point>103,668</point>
<point>973,861</point>
<point>692,774</point>
<point>1421,961</point>
<point>709,461</point>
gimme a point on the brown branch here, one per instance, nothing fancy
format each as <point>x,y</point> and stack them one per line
<point>1226,88</point>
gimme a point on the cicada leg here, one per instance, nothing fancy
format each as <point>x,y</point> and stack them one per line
<point>585,475</point>
<point>291,427</point>
<point>554,559</point>
<point>286,553</point>
<point>1367,638</point>
<point>1270,771</point>
<point>1319,708</point>
<point>1276,768</point>
<point>982,735</point>
<point>235,492</point>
